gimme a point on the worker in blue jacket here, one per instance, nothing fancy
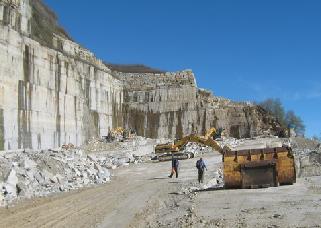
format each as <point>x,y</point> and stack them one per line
<point>175,164</point>
<point>200,165</point>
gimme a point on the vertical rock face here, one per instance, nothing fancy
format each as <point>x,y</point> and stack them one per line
<point>1,130</point>
<point>156,105</point>
<point>53,91</point>
<point>171,105</point>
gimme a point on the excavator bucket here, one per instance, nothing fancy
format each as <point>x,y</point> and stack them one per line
<point>258,168</point>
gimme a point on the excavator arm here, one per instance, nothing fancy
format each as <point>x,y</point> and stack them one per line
<point>197,139</point>
<point>168,149</point>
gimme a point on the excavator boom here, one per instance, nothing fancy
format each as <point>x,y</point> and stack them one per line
<point>166,151</point>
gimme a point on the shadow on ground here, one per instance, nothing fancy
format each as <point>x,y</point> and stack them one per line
<point>199,190</point>
<point>158,178</point>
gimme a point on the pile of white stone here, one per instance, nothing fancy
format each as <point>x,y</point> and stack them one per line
<point>27,174</point>
<point>307,156</point>
<point>253,143</point>
<point>216,181</point>
<point>196,148</point>
<point>230,142</point>
<point>137,145</point>
<point>235,144</point>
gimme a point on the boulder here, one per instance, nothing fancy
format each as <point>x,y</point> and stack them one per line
<point>11,183</point>
<point>29,164</point>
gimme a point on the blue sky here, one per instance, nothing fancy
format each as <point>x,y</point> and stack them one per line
<point>243,50</point>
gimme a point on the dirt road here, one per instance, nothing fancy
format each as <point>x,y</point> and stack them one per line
<point>143,196</point>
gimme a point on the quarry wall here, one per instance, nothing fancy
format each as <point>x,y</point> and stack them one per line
<point>54,92</point>
<point>51,96</point>
<point>171,105</point>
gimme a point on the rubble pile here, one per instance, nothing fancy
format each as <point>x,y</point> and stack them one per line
<point>216,182</point>
<point>138,145</point>
<point>29,173</point>
<point>196,149</point>
<point>299,144</point>
<point>230,142</point>
<point>38,173</point>
<point>307,156</point>
<point>249,143</point>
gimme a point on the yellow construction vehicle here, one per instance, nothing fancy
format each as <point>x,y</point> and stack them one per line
<point>251,168</point>
<point>165,152</point>
<point>119,134</point>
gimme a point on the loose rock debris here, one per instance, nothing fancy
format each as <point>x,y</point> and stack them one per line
<point>216,182</point>
<point>28,173</point>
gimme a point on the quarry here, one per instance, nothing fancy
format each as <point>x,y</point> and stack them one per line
<point>78,139</point>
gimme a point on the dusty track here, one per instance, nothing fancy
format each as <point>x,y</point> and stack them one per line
<point>143,196</point>
<point>112,204</point>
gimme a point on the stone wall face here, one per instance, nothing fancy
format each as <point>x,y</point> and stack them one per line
<point>171,105</point>
<point>155,105</point>
<point>49,97</point>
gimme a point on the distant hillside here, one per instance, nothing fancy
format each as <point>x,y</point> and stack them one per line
<point>132,68</point>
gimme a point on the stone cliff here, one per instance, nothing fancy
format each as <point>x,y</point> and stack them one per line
<point>171,105</point>
<point>53,91</point>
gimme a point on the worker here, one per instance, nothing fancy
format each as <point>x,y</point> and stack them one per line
<point>175,164</point>
<point>200,165</point>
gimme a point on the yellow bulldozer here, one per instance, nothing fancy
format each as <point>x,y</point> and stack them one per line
<point>249,168</point>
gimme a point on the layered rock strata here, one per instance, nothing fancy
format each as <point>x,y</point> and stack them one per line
<point>171,105</point>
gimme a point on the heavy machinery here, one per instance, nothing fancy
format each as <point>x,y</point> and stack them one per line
<point>119,134</point>
<point>249,168</point>
<point>165,152</point>
<point>255,168</point>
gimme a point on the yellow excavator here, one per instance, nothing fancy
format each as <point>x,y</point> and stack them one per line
<point>119,134</point>
<point>165,152</point>
<point>249,168</point>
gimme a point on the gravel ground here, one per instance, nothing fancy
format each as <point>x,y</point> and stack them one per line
<point>143,196</point>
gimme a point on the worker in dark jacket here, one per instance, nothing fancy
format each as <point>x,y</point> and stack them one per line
<point>175,165</point>
<point>200,165</point>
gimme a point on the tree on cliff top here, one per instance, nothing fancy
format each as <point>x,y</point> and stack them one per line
<point>275,107</point>
<point>287,119</point>
<point>295,122</point>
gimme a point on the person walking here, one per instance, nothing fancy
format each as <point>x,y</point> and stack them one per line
<point>200,165</point>
<point>175,164</point>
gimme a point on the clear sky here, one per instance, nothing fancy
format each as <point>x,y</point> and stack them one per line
<point>242,50</point>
